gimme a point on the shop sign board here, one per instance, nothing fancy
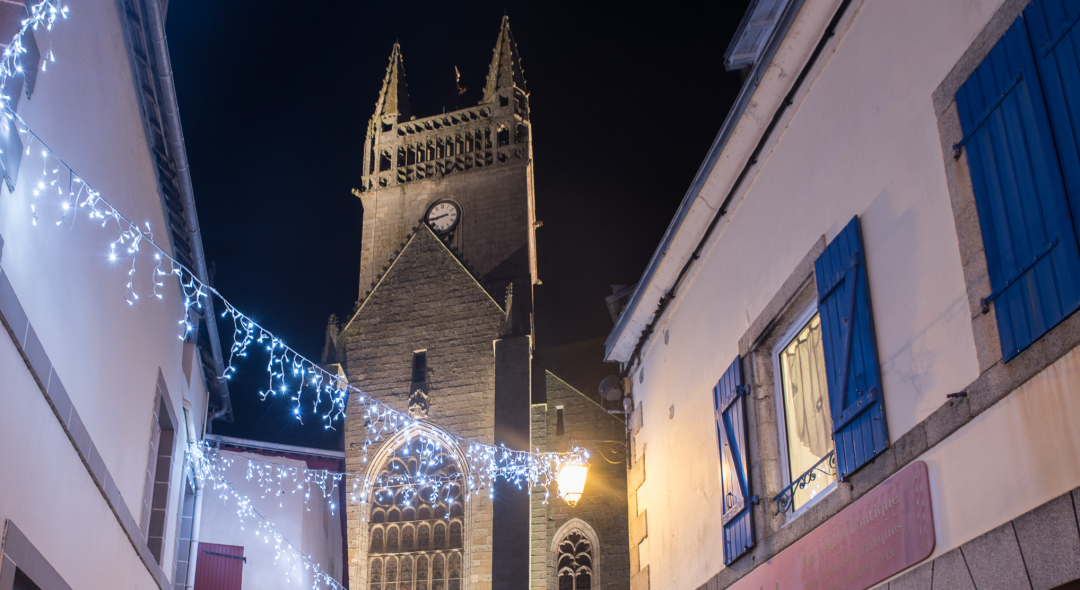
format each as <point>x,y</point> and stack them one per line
<point>879,535</point>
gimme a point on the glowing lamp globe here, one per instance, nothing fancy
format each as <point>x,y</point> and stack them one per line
<point>571,480</point>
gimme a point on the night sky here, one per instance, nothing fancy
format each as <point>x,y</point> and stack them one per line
<point>275,96</point>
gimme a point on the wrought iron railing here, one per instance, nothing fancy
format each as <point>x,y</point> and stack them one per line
<point>785,500</point>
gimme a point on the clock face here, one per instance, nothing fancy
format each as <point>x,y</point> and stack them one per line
<point>442,217</point>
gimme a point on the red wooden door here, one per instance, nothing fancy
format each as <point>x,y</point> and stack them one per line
<point>219,567</point>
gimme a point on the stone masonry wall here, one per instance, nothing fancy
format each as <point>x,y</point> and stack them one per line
<point>494,225</point>
<point>427,300</point>
<point>511,511</point>
<point>603,504</point>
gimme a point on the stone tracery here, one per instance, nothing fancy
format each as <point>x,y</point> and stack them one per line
<point>416,541</point>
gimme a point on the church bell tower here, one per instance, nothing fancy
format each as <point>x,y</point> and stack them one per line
<point>467,174</point>
<point>442,332</point>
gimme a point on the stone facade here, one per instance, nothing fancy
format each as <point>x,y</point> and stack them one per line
<point>443,330</point>
<point>603,505</point>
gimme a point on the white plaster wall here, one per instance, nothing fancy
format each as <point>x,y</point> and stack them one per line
<point>863,141</point>
<point>310,528</point>
<point>106,352</point>
<point>47,490</point>
<point>1016,456</point>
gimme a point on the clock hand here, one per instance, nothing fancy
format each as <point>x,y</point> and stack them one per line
<point>438,217</point>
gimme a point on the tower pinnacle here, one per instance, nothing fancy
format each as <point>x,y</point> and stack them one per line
<point>505,70</point>
<point>394,97</point>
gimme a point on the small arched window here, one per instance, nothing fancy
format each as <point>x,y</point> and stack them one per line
<point>440,536</point>
<point>407,539</point>
<point>421,572</point>
<point>438,568</point>
<point>395,516</point>
<point>575,562</point>
<point>406,574</point>
<point>408,514</point>
<point>424,537</point>
<point>375,577</point>
<point>391,572</point>
<point>392,539</point>
<point>377,540</point>
<point>455,572</point>
<point>455,535</point>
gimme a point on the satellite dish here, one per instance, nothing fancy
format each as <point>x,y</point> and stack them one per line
<point>611,388</point>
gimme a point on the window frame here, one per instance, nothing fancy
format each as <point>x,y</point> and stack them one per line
<point>796,326</point>
<point>20,556</point>
<point>156,503</point>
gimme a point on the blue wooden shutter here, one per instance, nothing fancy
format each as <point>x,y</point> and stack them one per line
<point>1055,39</point>
<point>734,484</point>
<point>851,359</point>
<point>1031,250</point>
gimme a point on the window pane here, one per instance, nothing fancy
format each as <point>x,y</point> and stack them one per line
<point>455,535</point>
<point>392,539</point>
<point>807,416</point>
<point>376,575</point>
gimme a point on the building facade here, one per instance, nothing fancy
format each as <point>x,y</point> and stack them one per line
<point>853,358</point>
<point>443,331</point>
<point>100,397</point>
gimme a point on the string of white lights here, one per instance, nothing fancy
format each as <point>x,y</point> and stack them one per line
<point>426,472</point>
<point>289,373</point>
<point>211,471</point>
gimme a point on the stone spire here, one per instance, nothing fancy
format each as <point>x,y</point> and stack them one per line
<point>394,97</point>
<point>505,70</point>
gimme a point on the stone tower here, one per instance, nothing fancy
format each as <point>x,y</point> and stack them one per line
<point>478,159</point>
<point>443,331</point>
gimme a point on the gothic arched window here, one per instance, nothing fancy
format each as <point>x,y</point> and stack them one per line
<point>422,572</point>
<point>376,574</point>
<point>575,562</point>
<point>417,536</point>
<point>455,535</point>
<point>406,576</point>
<point>391,574</point>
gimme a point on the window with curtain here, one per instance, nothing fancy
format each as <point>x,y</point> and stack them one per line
<point>805,414</point>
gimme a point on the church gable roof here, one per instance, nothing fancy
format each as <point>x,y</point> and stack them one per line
<point>427,279</point>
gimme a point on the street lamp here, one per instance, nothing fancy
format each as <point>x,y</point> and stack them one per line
<point>571,481</point>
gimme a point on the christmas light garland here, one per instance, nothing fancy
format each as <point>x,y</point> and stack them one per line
<point>211,471</point>
<point>289,372</point>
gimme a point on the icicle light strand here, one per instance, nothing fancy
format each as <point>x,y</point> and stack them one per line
<point>288,372</point>
<point>211,472</point>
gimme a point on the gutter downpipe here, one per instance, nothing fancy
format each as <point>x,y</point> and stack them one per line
<point>714,154</point>
<point>196,513</point>
<point>179,153</point>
